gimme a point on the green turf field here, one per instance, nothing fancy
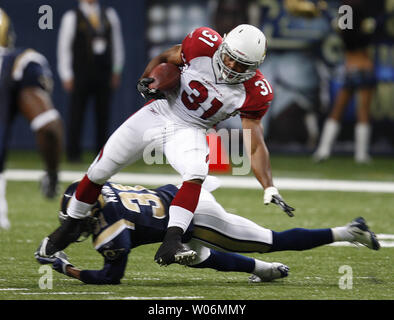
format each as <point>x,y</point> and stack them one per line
<point>314,274</point>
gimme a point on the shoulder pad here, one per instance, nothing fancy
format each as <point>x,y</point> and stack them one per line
<point>201,42</point>
<point>23,60</point>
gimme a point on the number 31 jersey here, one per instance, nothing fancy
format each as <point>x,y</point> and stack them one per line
<point>204,98</point>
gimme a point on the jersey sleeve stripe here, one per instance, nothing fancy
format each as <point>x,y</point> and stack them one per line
<point>23,60</point>
<point>112,232</point>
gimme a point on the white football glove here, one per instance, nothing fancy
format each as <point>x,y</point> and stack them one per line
<point>268,193</point>
<point>61,263</point>
<point>271,194</point>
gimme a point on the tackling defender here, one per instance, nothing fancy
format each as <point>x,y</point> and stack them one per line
<point>219,79</point>
<point>25,86</point>
<point>125,217</point>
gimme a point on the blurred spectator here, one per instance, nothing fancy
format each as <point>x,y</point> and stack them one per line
<point>291,64</point>
<point>295,30</point>
<point>90,62</point>
<point>359,77</point>
<point>25,88</point>
<point>227,14</point>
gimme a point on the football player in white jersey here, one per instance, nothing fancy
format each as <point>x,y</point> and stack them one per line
<point>219,78</point>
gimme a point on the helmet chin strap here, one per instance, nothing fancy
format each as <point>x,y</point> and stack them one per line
<point>217,69</point>
<point>226,74</point>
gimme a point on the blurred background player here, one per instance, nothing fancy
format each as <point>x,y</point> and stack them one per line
<point>295,31</point>
<point>219,79</point>
<point>25,88</point>
<point>358,78</point>
<point>125,217</point>
<point>90,62</point>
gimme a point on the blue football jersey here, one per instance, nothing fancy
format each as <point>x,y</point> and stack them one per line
<point>131,216</point>
<point>19,68</point>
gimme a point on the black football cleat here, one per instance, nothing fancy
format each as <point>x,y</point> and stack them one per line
<point>362,234</point>
<point>174,252</point>
<point>49,185</point>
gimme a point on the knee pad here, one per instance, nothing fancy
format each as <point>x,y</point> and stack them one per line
<point>98,175</point>
<point>195,170</point>
<point>101,170</point>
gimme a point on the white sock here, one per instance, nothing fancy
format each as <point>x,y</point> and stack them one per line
<point>4,223</point>
<point>362,133</point>
<point>341,234</point>
<point>78,209</point>
<point>329,134</point>
<point>312,127</point>
<point>180,217</point>
<point>261,267</point>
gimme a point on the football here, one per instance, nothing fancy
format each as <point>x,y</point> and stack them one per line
<point>166,75</point>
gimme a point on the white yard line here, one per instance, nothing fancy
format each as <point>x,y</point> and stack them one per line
<point>226,181</point>
<point>12,289</point>
<point>46,292</point>
<point>162,298</point>
<point>385,241</point>
<point>383,244</point>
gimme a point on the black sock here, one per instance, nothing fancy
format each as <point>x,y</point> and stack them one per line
<point>173,234</point>
<point>67,233</point>
<point>300,239</point>
<point>227,261</point>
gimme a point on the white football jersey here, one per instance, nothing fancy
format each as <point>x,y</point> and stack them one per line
<point>203,98</point>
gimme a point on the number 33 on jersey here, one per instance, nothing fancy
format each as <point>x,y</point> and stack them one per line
<point>205,99</point>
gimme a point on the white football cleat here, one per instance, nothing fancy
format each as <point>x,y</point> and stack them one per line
<point>362,159</point>
<point>320,156</point>
<point>185,257</point>
<point>276,270</point>
<point>361,233</point>
<point>4,223</point>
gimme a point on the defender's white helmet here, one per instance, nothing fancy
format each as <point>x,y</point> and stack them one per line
<point>245,44</point>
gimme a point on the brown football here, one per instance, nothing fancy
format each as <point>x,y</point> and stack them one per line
<point>166,75</point>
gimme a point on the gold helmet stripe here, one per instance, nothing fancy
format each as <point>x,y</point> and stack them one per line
<point>4,26</point>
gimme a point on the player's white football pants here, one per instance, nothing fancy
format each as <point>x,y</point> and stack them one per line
<point>184,147</point>
<point>223,231</point>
